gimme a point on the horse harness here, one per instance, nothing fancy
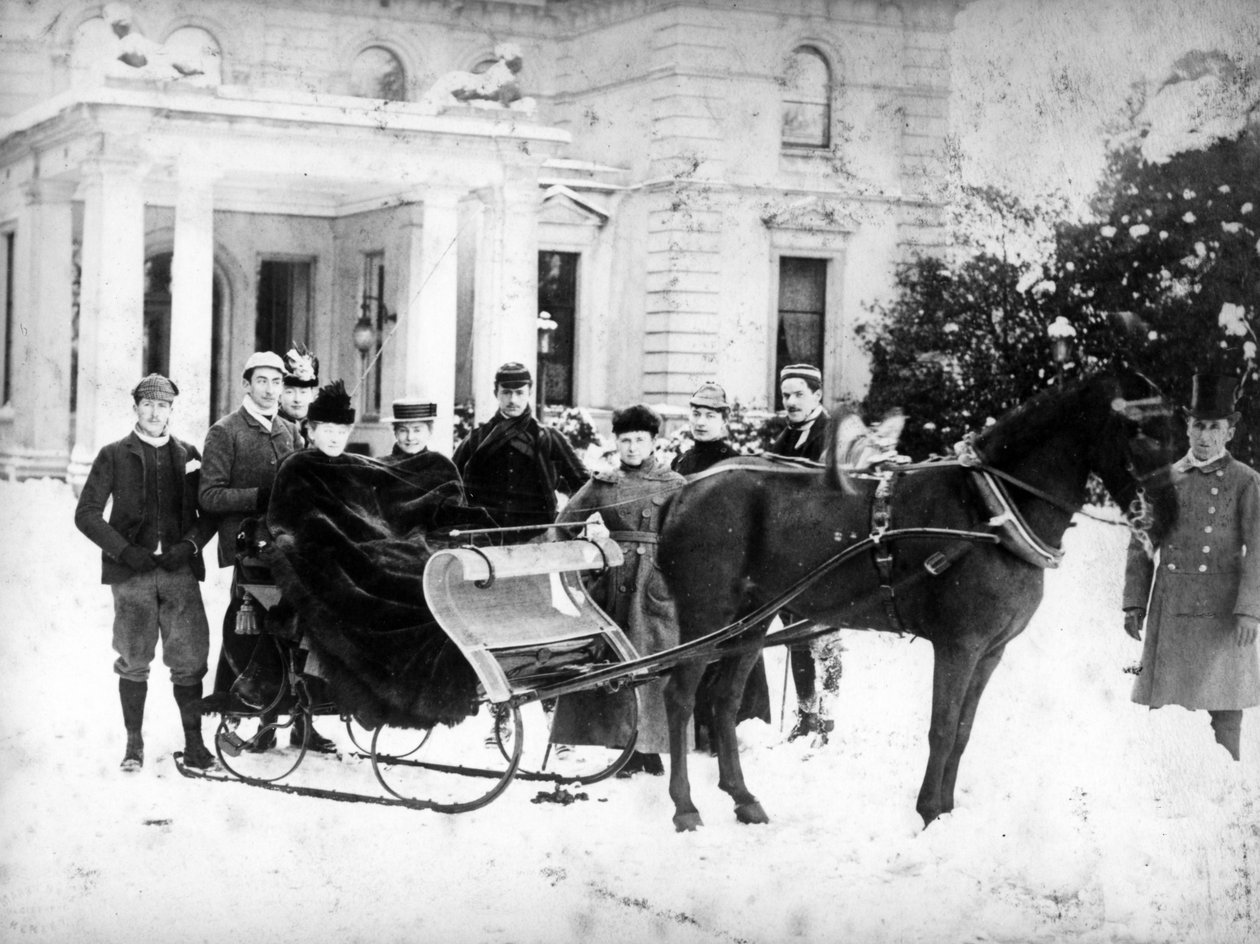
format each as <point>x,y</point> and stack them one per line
<point>1006,526</point>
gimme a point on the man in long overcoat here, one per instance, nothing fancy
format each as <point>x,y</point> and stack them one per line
<point>1201,597</point>
<point>512,465</point>
<point>151,560</point>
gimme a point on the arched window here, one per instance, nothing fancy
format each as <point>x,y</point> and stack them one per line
<point>194,47</point>
<point>378,73</point>
<point>807,100</point>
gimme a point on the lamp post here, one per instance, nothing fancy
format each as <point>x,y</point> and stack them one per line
<point>1061,333</point>
<point>545,327</point>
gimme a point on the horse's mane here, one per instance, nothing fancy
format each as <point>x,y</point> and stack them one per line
<point>1030,422</point>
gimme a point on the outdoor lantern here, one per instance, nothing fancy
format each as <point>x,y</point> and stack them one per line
<point>545,327</point>
<point>364,334</point>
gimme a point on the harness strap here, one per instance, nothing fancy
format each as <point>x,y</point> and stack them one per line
<point>881,551</point>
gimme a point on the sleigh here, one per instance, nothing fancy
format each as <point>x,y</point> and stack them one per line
<point>518,615</point>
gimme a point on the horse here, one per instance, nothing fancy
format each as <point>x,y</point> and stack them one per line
<point>986,525</point>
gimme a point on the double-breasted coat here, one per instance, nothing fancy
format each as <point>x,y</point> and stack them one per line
<point>631,504</point>
<point>1206,573</point>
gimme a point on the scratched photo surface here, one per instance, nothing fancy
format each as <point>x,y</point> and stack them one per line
<point>1079,816</point>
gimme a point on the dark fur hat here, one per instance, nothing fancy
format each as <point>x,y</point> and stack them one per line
<point>332,405</point>
<point>635,418</point>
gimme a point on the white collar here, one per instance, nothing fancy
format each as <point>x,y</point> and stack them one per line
<point>252,409</point>
<point>157,442</point>
<point>1192,461</point>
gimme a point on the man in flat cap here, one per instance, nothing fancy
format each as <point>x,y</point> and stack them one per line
<point>1200,598</point>
<point>709,412</point>
<point>151,560</point>
<point>512,465</point>
<point>804,437</point>
<point>243,451</point>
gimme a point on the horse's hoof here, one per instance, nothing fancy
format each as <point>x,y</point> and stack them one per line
<point>687,822</point>
<point>751,813</point>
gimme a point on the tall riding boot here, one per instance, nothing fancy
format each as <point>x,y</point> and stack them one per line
<point>132,695</point>
<point>188,697</point>
<point>1227,726</point>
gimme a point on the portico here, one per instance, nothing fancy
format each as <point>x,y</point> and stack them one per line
<point>98,182</point>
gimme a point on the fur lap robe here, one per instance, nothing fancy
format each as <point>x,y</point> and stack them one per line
<point>348,555</point>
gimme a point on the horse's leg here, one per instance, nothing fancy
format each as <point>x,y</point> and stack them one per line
<point>727,693</point>
<point>680,702</point>
<point>952,671</point>
<point>967,715</point>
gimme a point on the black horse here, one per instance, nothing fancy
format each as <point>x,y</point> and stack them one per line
<point>735,539</point>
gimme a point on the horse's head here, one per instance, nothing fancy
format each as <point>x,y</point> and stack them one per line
<point>1133,450</point>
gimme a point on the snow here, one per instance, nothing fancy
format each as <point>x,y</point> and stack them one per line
<point>1080,815</point>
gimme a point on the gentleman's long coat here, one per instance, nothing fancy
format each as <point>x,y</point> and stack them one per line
<point>118,472</point>
<point>631,504</point>
<point>240,458</point>
<point>1207,572</point>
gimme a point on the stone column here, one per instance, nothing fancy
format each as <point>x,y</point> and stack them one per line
<point>192,303</point>
<point>429,367</point>
<point>111,309</point>
<point>43,282</point>
<point>505,326</point>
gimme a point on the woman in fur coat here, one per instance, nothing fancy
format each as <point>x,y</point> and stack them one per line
<point>630,500</point>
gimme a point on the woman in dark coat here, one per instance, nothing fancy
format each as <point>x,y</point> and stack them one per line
<point>630,500</point>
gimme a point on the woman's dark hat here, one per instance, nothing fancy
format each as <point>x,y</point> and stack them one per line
<point>513,376</point>
<point>332,405</point>
<point>1213,397</point>
<point>637,418</point>
<point>411,410</point>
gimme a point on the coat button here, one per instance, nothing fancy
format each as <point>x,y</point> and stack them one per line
<point>639,550</point>
<point>621,589</point>
<point>1220,473</point>
<point>1207,549</point>
<point>1216,491</point>
<point>1211,509</point>
<point>1203,568</point>
<point>1172,566</point>
<point>1207,530</point>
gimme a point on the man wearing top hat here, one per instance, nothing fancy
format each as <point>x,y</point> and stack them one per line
<point>1200,597</point>
<point>804,437</point>
<point>151,560</point>
<point>512,465</point>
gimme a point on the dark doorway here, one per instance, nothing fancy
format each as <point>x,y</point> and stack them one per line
<point>557,295</point>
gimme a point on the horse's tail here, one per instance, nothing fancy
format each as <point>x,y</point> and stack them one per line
<point>852,446</point>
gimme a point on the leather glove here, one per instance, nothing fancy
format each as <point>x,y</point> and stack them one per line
<point>138,559</point>
<point>264,496</point>
<point>1133,622</point>
<point>177,556</point>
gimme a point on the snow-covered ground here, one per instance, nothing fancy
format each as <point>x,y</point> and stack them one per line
<point>1080,815</point>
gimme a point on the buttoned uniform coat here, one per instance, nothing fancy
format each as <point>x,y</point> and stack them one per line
<point>118,472</point>
<point>240,458</point>
<point>1206,573</point>
<point>631,504</point>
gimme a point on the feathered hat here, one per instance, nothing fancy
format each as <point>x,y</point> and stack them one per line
<point>332,405</point>
<point>301,367</point>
